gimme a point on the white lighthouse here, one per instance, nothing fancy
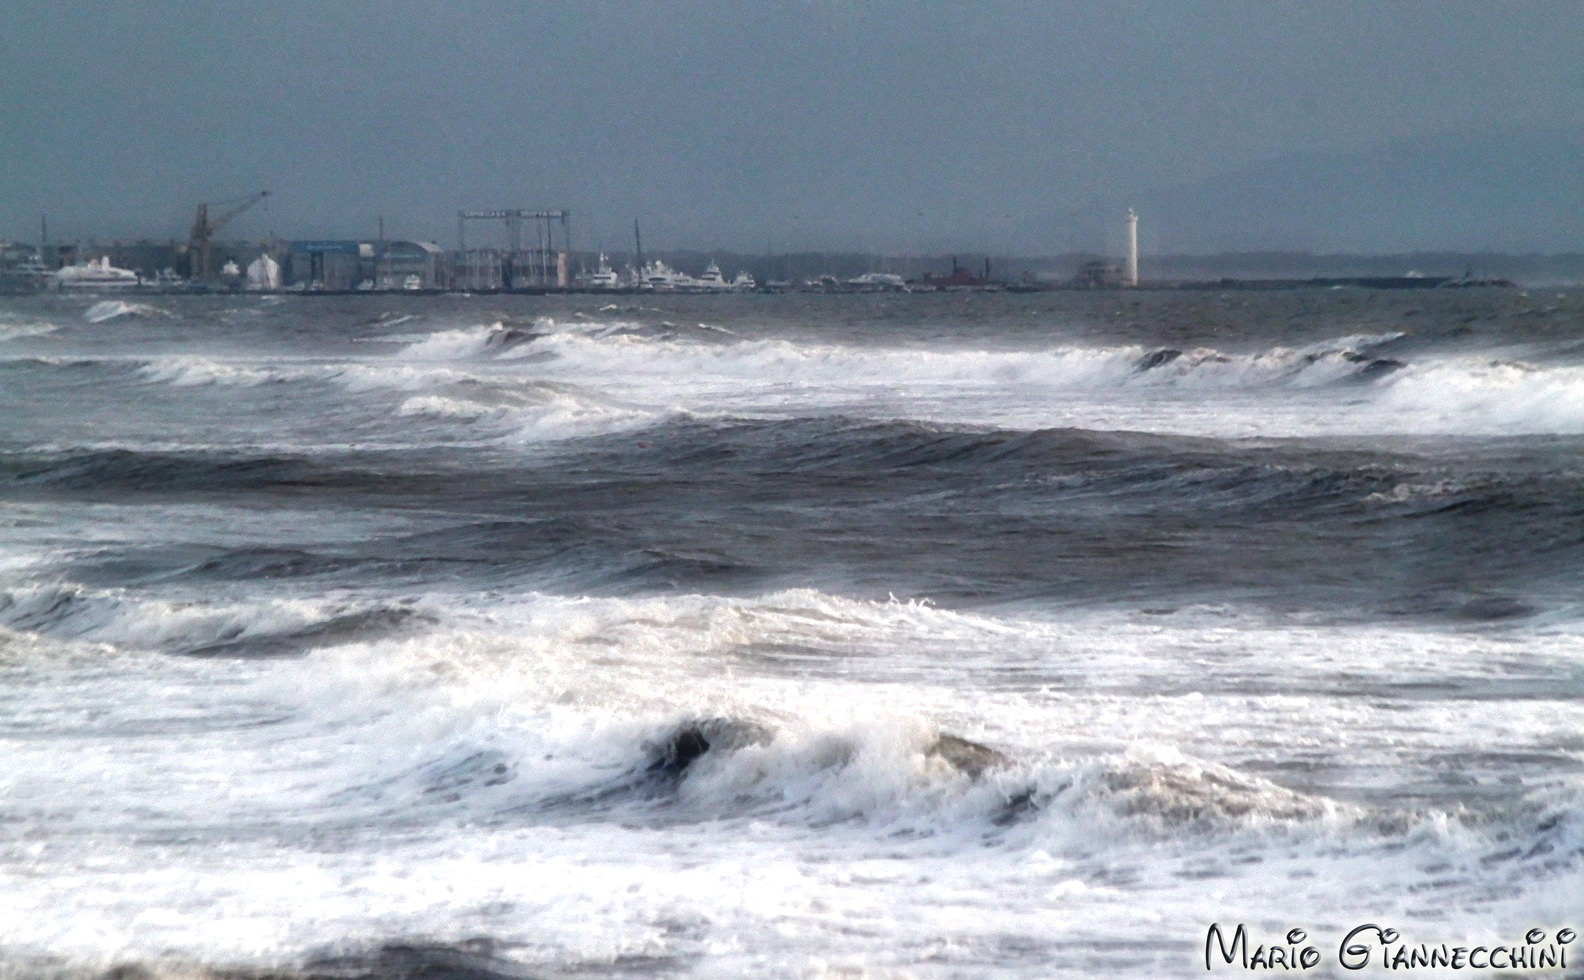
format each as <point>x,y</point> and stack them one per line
<point>1131,275</point>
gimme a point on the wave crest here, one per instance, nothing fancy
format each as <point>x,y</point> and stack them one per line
<point>110,309</point>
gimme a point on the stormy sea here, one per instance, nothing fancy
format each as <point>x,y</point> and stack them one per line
<point>801,636</point>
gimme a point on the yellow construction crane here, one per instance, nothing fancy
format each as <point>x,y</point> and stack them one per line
<point>203,230</point>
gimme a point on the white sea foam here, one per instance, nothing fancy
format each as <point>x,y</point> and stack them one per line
<point>182,371</point>
<point>554,418</point>
<point>21,329</point>
<point>451,345</point>
<point>112,617</point>
<point>1280,391</point>
<point>111,309</point>
<point>1480,396</point>
<point>435,406</point>
<point>488,754</point>
<point>1074,367</point>
<point>623,376</point>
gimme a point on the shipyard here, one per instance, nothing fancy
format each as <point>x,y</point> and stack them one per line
<point>538,254</point>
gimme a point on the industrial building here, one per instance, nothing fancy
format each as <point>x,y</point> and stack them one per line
<point>335,265</point>
<point>410,265</point>
<point>346,264</point>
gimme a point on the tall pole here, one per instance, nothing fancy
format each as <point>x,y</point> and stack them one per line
<point>562,263</point>
<point>1132,248</point>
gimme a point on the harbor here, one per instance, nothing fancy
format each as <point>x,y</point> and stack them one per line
<point>539,256</point>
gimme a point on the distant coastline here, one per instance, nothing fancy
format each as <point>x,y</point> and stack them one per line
<point>843,272</point>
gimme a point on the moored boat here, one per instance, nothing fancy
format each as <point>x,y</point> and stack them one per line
<point>30,276</point>
<point>605,277</point>
<point>95,275</point>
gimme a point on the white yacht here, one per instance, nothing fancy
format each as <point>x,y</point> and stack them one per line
<point>712,279</point>
<point>877,282</point>
<point>95,275</point>
<point>662,278</point>
<point>605,277</point>
<point>29,276</point>
<point>167,278</point>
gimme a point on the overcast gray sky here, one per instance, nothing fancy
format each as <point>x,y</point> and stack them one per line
<point>998,125</point>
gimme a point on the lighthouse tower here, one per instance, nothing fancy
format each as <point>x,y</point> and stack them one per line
<point>1130,276</point>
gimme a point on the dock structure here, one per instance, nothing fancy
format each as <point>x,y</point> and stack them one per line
<point>540,262</point>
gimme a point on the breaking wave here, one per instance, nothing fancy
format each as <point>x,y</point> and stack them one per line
<point>271,628</point>
<point>111,309</point>
<point>1321,363</point>
<point>612,376</point>
<point>14,330</point>
<point>1364,381</point>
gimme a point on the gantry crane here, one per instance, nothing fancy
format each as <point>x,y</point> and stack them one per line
<point>203,230</point>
